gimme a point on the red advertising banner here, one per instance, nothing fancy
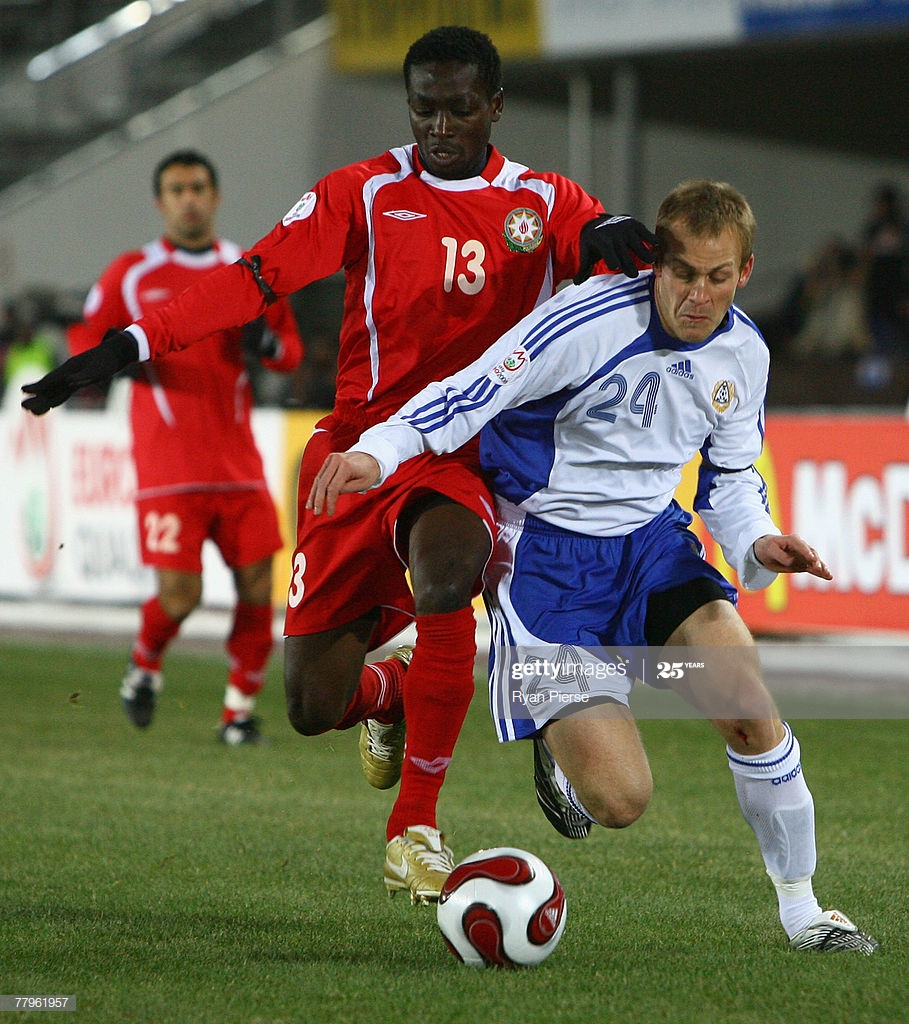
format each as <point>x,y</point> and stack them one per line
<point>842,482</point>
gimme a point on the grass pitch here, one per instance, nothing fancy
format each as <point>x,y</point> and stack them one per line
<point>160,877</point>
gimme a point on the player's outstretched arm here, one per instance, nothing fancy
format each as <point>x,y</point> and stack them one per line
<point>790,553</point>
<point>622,243</point>
<point>341,473</point>
<point>97,365</point>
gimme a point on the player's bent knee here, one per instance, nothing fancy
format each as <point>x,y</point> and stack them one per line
<point>613,809</point>
<point>612,815</point>
<point>311,711</point>
<point>309,721</point>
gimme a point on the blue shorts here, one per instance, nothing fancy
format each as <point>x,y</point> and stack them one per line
<point>553,593</point>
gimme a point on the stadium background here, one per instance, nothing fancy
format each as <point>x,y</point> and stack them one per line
<point>801,104</point>
<point>161,877</point>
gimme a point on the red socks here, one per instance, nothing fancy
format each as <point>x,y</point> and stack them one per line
<point>248,647</point>
<point>380,694</point>
<point>156,631</point>
<point>437,694</point>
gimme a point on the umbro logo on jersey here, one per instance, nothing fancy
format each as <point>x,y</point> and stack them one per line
<point>403,214</point>
<point>682,369</point>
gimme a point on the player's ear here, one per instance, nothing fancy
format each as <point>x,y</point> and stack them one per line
<point>745,272</point>
<point>498,104</point>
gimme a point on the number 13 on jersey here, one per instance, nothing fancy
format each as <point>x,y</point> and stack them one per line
<point>470,256</point>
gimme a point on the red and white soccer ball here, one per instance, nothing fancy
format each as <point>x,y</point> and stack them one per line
<point>502,907</point>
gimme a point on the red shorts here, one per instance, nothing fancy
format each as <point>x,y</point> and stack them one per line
<point>242,523</point>
<point>350,563</point>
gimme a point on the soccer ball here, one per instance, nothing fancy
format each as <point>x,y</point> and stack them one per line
<point>502,907</point>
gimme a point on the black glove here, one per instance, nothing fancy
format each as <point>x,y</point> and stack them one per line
<point>615,241</point>
<point>259,340</point>
<point>116,350</point>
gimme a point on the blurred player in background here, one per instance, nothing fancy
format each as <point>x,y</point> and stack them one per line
<point>199,473</point>
<point>589,410</point>
<point>445,244</point>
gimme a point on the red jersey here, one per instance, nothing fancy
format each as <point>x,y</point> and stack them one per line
<point>190,410</point>
<point>436,270</point>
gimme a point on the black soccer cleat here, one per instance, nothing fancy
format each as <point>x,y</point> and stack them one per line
<point>241,731</point>
<point>138,692</point>
<point>833,932</point>
<point>553,802</point>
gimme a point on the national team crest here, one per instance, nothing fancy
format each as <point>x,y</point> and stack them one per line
<point>523,230</point>
<point>723,394</point>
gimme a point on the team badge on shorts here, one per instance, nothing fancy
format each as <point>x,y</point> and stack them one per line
<point>523,230</point>
<point>723,394</point>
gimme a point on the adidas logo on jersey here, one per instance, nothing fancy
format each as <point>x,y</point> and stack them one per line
<point>681,369</point>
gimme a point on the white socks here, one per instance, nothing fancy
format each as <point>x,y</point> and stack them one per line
<point>797,903</point>
<point>238,702</point>
<point>777,804</point>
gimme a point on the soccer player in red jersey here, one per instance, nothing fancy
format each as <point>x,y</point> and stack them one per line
<point>199,473</point>
<point>445,244</point>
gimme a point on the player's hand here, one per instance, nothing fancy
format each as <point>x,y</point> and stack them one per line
<point>616,241</point>
<point>341,473</point>
<point>116,350</point>
<point>260,341</point>
<point>790,554</point>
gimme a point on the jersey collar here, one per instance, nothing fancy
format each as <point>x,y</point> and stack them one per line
<point>657,331</point>
<point>199,260</point>
<point>494,164</point>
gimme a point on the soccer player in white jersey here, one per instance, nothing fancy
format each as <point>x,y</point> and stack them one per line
<point>445,243</point>
<point>587,411</point>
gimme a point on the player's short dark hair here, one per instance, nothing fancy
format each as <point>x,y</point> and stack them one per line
<point>183,158</point>
<point>458,43</point>
<point>707,208</point>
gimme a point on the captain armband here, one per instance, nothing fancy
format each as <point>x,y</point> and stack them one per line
<point>254,265</point>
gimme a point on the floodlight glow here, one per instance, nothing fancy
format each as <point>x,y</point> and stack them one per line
<point>127,19</point>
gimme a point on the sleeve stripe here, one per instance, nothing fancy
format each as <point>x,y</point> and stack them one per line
<point>437,413</point>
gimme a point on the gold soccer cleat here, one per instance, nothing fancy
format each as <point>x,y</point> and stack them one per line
<point>382,746</point>
<point>418,862</point>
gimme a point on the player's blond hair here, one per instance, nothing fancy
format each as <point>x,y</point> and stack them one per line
<point>707,209</point>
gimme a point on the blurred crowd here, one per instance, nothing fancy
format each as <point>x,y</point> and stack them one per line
<point>850,304</point>
<point>30,342</point>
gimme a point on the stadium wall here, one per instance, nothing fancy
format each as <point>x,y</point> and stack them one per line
<point>68,530</point>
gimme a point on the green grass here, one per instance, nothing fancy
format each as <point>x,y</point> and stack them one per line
<point>160,877</point>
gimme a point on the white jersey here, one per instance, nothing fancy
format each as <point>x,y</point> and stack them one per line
<point>589,411</point>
